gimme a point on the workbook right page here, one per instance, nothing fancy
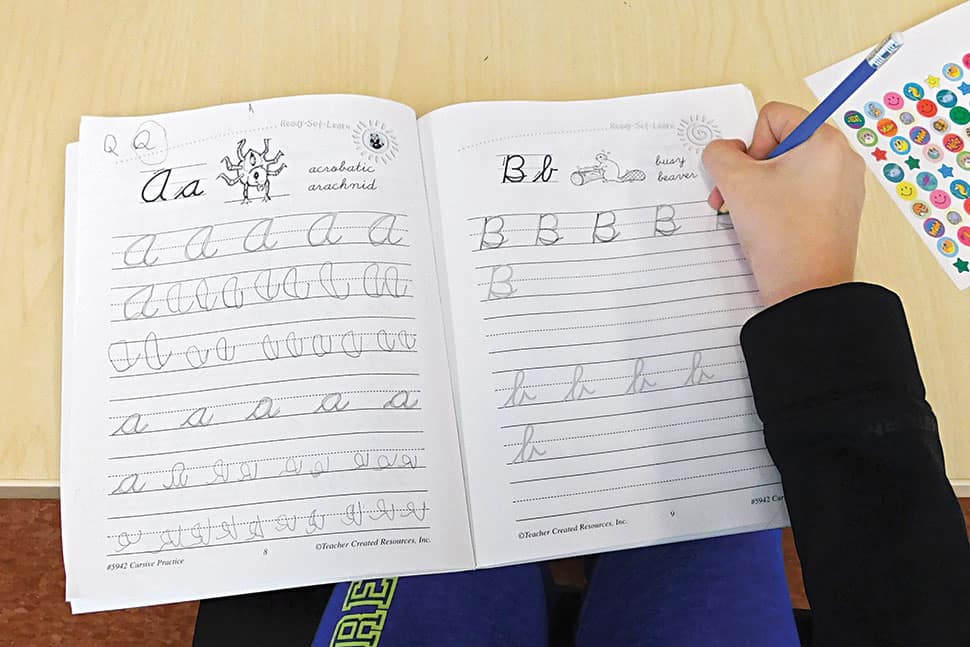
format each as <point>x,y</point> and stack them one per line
<point>595,302</point>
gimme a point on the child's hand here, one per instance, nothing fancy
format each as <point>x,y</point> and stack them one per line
<point>797,216</point>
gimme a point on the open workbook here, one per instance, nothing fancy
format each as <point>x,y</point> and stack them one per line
<point>315,339</point>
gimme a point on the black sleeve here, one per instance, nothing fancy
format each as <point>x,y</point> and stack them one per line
<point>880,534</point>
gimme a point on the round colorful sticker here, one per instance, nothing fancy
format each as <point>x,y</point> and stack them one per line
<point>947,247</point>
<point>963,235</point>
<point>952,71</point>
<point>897,143</point>
<point>893,100</point>
<point>933,227</point>
<point>953,143</point>
<point>966,61</point>
<point>906,118</point>
<point>960,115</point>
<point>913,91</point>
<point>919,135</point>
<point>963,160</point>
<point>960,189</point>
<point>906,190</point>
<point>868,137</point>
<point>954,217</point>
<point>893,172</point>
<point>941,125</point>
<point>933,153</point>
<point>946,98</point>
<point>887,127</point>
<point>874,110</point>
<point>926,108</point>
<point>854,119</point>
<point>921,209</point>
<point>940,199</point>
<point>926,181</point>
<point>966,205</point>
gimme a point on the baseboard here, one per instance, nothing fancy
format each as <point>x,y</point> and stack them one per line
<point>33,489</point>
<point>51,490</point>
<point>961,487</point>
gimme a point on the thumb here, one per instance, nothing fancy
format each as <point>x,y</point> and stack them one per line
<point>724,159</point>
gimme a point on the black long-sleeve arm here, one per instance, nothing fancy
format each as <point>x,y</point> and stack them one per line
<point>882,541</point>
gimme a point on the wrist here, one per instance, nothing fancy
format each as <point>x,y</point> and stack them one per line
<point>779,288</point>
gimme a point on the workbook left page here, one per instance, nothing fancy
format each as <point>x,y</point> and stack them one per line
<point>256,393</point>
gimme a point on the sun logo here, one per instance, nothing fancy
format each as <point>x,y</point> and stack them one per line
<point>697,131</point>
<point>375,141</point>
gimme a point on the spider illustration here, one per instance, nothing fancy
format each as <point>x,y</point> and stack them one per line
<point>253,169</point>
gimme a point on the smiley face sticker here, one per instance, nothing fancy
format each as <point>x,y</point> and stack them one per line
<point>893,100</point>
<point>900,145</point>
<point>933,153</point>
<point>947,247</point>
<point>868,137</point>
<point>893,172</point>
<point>906,191</point>
<point>953,71</point>
<point>953,143</point>
<point>854,119</point>
<point>906,118</point>
<point>926,108</point>
<point>963,235</point>
<point>913,91</point>
<point>933,227</point>
<point>919,135</point>
<point>874,110</point>
<point>940,199</point>
<point>963,160</point>
<point>960,189</point>
<point>946,98</point>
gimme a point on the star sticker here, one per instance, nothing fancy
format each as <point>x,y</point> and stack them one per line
<point>964,87</point>
<point>879,154</point>
<point>962,266</point>
<point>932,81</point>
<point>912,162</point>
<point>946,171</point>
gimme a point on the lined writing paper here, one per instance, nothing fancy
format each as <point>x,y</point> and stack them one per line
<point>257,388</point>
<point>595,303</point>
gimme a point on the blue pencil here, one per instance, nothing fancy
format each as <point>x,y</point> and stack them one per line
<point>840,94</point>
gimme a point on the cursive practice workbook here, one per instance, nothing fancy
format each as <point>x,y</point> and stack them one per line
<point>316,338</point>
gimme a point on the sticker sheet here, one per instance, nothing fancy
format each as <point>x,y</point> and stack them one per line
<point>911,123</point>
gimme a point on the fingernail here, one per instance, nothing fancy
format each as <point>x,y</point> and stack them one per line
<point>715,200</point>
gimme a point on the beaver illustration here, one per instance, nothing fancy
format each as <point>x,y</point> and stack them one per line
<point>611,171</point>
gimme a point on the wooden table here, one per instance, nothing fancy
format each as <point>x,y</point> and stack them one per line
<point>62,60</point>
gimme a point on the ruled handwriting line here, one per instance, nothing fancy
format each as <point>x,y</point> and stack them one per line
<point>362,432</point>
<point>246,504</point>
<point>519,295</point>
<point>539,423</point>
<point>616,307</point>
<point>555,477</point>
<point>642,503</point>
<point>612,341</point>
<point>276,217</point>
